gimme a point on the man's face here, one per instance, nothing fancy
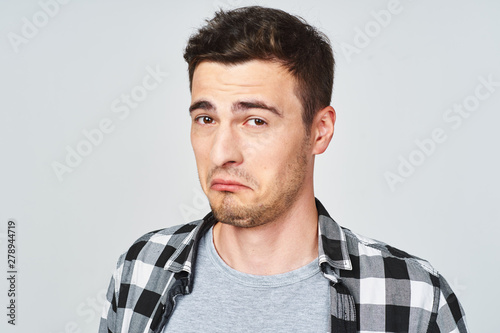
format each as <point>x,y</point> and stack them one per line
<point>250,144</point>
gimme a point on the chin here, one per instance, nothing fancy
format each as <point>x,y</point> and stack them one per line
<point>228,209</point>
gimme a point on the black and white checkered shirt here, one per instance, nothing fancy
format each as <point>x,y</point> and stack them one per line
<point>374,287</point>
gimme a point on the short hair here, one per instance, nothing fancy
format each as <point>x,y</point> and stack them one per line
<point>258,33</point>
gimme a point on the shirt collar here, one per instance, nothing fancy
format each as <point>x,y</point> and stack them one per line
<point>332,244</point>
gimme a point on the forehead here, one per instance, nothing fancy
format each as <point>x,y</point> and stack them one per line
<point>256,77</point>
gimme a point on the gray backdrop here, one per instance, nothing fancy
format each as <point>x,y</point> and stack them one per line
<point>95,144</point>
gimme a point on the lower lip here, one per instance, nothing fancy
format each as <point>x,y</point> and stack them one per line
<point>228,187</point>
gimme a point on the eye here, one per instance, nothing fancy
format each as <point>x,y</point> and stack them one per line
<point>256,122</point>
<point>204,120</point>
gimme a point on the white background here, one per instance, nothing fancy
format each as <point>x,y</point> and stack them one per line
<point>64,77</point>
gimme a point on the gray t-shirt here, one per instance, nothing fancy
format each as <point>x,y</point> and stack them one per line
<point>226,300</point>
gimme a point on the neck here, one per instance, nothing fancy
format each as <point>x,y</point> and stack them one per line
<point>288,243</point>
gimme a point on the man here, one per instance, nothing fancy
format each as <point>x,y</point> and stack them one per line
<point>268,257</point>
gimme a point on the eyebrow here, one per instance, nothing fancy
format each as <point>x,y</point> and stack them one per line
<point>239,106</point>
<point>204,105</point>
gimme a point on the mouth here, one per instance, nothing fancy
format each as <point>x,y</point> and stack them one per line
<point>224,185</point>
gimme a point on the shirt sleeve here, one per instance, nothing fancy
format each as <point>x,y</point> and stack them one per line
<point>108,317</point>
<point>450,317</point>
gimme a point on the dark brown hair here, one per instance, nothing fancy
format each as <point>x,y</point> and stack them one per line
<point>249,33</point>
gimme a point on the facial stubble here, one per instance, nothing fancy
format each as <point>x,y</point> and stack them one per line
<point>283,194</point>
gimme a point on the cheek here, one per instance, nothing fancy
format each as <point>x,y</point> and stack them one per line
<point>261,146</point>
<point>268,164</point>
<point>270,153</point>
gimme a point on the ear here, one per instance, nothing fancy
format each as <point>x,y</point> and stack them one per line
<point>322,129</point>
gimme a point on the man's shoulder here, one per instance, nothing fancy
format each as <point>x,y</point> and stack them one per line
<point>392,258</point>
<point>402,287</point>
<point>162,236</point>
<point>157,246</point>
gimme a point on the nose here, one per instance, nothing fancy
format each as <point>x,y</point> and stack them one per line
<point>225,150</point>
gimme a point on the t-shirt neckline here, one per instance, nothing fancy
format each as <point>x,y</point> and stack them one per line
<point>262,281</point>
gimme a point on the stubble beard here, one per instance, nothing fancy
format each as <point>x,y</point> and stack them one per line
<point>284,193</point>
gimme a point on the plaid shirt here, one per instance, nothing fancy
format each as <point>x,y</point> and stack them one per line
<point>373,286</point>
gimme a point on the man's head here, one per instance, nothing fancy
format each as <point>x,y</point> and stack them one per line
<point>257,33</point>
<point>254,144</point>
